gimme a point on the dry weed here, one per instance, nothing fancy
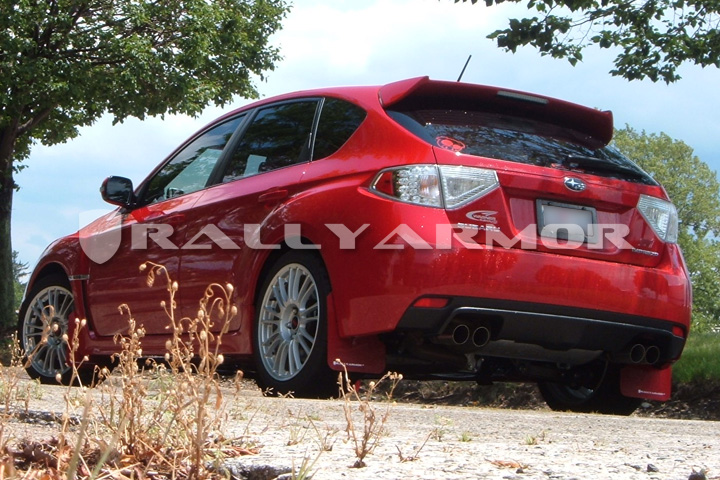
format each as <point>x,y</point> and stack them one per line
<point>373,427</point>
<point>158,420</point>
<point>10,391</point>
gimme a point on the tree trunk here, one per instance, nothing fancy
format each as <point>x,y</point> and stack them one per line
<point>8,318</point>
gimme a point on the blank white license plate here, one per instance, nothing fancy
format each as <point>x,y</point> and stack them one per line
<point>566,222</point>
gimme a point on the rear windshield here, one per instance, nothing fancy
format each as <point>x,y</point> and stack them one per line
<point>517,139</point>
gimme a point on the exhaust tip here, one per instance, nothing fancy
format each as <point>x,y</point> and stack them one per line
<point>481,336</point>
<point>637,353</point>
<point>461,334</point>
<point>652,355</point>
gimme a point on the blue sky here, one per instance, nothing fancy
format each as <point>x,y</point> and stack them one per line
<point>345,42</point>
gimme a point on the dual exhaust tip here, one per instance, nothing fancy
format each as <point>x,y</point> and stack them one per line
<point>639,353</point>
<point>461,334</point>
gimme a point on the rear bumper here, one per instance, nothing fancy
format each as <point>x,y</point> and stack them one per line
<point>550,328</point>
<point>558,299</point>
<point>374,292</point>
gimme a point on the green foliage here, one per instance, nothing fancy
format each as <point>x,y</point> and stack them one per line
<point>65,63</point>
<point>20,270</point>
<point>700,359</point>
<point>19,289</point>
<point>653,37</point>
<point>694,189</point>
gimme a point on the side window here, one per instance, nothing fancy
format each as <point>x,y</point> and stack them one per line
<point>190,169</point>
<point>279,136</point>
<point>338,121</point>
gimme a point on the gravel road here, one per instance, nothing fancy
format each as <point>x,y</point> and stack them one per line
<point>464,443</point>
<point>448,442</point>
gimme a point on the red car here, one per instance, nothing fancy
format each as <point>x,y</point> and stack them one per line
<point>443,230</point>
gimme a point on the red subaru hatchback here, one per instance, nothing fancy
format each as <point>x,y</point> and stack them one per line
<point>443,230</point>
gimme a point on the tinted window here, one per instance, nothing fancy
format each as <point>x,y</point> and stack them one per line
<point>517,139</point>
<point>338,121</point>
<point>190,169</point>
<point>279,136</point>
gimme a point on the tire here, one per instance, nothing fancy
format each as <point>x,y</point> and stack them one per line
<point>605,398</point>
<point>290,335</point>
<point>43,322</point>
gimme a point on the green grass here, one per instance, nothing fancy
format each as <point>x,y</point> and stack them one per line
<point>700,359</point>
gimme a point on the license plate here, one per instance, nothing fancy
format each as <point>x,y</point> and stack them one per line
<point>561,221</point>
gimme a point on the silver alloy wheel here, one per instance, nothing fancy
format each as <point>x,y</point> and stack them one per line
<point>289,322</point>
<point>44,325</point>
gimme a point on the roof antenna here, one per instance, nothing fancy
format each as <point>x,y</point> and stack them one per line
<point>463,70</point>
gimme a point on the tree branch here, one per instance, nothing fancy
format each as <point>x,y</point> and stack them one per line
<point>34,120</point>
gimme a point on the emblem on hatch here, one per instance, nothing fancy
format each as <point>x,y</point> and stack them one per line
<point>483,216</point>
<point>574,184</point>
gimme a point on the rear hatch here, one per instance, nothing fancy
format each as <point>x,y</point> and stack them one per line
<point>558,187</point>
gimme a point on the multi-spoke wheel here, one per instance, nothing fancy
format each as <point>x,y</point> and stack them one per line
<point>290,338</point>
<point>43,327</point>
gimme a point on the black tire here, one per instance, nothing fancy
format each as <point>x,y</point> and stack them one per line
<point>42,325</point>
<point>290,334</point>
<point>605,398</point>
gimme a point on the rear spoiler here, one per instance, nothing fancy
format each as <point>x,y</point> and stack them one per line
<point>422,92</point>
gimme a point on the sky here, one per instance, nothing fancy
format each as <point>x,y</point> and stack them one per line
<point>369,42</point>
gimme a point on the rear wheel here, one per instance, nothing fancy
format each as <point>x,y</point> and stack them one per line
<point>605,398</point>
<point>43,327</point>
<point>290,338</point>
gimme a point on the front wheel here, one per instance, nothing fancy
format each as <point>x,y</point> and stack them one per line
<point>605,398</point>
<point>43,328</point>
<point>290,337</point>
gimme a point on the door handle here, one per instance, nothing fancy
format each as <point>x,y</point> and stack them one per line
<point>273,195</point>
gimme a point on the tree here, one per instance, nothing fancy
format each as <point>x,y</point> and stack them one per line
<point>19,270</point>
<point>653,37</point>
<point>64,63</point>
<point>694,189</point>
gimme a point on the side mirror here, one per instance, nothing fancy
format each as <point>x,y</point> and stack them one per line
<point>118,191</point>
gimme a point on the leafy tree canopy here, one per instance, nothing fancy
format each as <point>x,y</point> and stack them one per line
<point>64,63</point>
<point>654,37</point>
<point>694,189</point>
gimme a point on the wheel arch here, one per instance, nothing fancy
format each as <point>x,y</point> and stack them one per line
<point>52,268</point>
<point>62,257</point>
<point>275,254</point>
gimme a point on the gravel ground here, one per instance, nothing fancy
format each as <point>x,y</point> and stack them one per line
<point>460,443</point>
<point>442,442</point>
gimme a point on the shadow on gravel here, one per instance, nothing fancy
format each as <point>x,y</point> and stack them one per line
<point>698,400</point>
<point>690,401</point>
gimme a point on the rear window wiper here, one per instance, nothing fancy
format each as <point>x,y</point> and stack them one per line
<point>599,165</point>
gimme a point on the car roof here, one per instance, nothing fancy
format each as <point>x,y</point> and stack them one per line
<point>422,92</point>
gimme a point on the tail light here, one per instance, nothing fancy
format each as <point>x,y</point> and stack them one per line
<point>661,216</point>
<point>442,186</point>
